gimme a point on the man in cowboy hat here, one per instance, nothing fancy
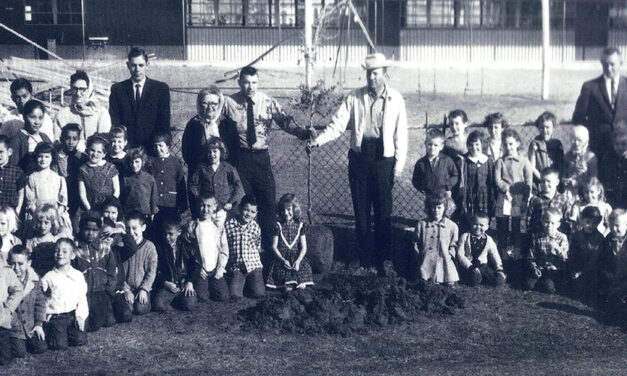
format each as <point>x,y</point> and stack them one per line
<point>376,116</point>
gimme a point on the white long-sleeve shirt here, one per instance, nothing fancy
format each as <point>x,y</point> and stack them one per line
<point>65,292</point>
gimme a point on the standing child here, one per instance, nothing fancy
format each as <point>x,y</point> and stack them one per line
<point>548,197</point>
<point>97,262</point>
<point>45,186</point>
<point>171,274</point>
<point>167,169</point>
<point>46,230</point>
<point>612,258</point>
<point>478,194</point>
<point>117,154</point>
<point>139,272</point>
<point>585,245</point>
<point>455,144</point>
<point>613,170</point>
<point>290,268</point>
<point>138,188</point>
<point>547,255</point>
<point>593,194</point>
<point>207,253</point>
<point>11,178</point>
<point>97,179</point>
<point>27,333</point>
<point>24,142</point>
<point>544,150</point>
<point>580,164</point>
<point>513,176</point>
<point>66,300</point>
<point>216,177</point>
<point>435,170</point>
<point>69,162</point>
<point>8,227</point>
<point>243,234</point>
<point>10,295</point>
<point>435,242</point>
<point>477,254</point>
<point>495,123</point>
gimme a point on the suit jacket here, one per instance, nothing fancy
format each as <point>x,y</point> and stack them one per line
<point>144,119</point>
<point>595,111</point>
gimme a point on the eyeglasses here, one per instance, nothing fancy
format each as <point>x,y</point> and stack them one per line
<point>79,89</point>
<point>213,104</point>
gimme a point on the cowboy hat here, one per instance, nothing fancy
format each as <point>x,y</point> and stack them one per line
<point>374,61</point>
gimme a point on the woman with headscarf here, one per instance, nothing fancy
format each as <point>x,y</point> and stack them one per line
<point>203,126</point>
<point>84,111</point>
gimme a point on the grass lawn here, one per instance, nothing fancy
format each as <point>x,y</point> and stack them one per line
<point>499,332</point>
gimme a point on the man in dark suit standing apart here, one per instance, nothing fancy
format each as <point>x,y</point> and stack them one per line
<point>602,104</point>
<point>141,104</point>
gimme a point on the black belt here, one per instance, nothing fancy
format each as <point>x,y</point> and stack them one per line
<point>70,314</point>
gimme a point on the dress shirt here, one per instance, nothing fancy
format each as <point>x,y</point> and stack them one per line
<point>65,292</point>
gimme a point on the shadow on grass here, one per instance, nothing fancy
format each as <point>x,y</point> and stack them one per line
<point>568,309</point>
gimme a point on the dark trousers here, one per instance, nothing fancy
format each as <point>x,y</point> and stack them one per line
<point>503,232</point>
<point>100,311</point>
<point>5,346</point>
<point>488,275</point>
<point>371,178</point>
<point>257,178</point>
<point>211,288</point>
<point>164,299</point>
<point>19,346</point>
<point>62,330</point>
<point>155,232</point>
<point>123,310</point>
<point>252,280</point>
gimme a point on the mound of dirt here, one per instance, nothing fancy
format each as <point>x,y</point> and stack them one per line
<point>344,304</point>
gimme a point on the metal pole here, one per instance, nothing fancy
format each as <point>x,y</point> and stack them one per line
<point>309,17</point>
<point>83,26</point>
<point>546,46</point>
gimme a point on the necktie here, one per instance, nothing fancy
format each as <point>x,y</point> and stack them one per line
<point>137,94</point>
<point>613,99</point>
<point>251,136</point>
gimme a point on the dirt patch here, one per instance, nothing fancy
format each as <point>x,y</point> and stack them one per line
<point>345,304</point>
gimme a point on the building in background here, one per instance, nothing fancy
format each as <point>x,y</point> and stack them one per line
<point>240,30</point>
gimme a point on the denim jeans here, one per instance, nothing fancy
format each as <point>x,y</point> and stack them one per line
<point>253,281</point>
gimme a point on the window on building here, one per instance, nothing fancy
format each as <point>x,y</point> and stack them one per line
<point>215,12</point>
<point>618,15</point>
<point>52,12</point>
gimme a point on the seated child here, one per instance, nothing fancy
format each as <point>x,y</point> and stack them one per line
<point>435,242</point>
<point>244,268</point>
<point>138,188</point>
<point>544,150</point>
<point>592,193</point>
<point>436,170</point>
<point>96,260</point>
<point>27,333</point>
<point>12,178</point>
<point>10,295</point>
<point>171,273</point>
<point>290,268</point>
<point>585,245</point>
<point>548,197</point>
<point>66,300</point>
<point>478,256</point>
<point>216,177</point>
<point>46,230</point>
<point>547,255</point>
<point>580,164</point>
<point>207,253</point>
<point>8,227</point>
<point>611,266</point>
<point>138,271</point>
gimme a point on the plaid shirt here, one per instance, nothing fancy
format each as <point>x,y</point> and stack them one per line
<point>244,245</point>
<point>549,249</point>
<point>11,181</point>
<point>537,206</point>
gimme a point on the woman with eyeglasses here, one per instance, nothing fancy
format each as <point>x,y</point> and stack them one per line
<point>203,126</point>
<point>84,110</point>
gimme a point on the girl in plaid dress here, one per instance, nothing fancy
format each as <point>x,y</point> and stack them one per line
<point>290,267</point>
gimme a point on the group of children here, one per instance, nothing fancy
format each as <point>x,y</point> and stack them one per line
<point>102,236</point>
<point>574,240</point>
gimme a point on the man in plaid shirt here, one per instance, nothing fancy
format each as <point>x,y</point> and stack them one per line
<point>11,178</point>
<point>244,238</point>
<point>549,198</point>
<point>548,254</point>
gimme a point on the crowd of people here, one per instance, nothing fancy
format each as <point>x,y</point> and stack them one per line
<point>91,204</point>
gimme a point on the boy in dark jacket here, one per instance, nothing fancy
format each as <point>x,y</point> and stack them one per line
<point>612,269</point>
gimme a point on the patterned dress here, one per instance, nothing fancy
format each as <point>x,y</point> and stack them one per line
<point>479,193</point>
<point>98,181</point>
<point>289,235</point>
<point>47,187</point>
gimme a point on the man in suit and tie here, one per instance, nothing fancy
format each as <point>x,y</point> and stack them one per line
<point>141,104</point>
<point>602,103</point>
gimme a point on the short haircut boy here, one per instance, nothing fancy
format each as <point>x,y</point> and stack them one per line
<point>6,141</point>
<point>458,113</point>
<point>550,171</point>
<point>551,213</point>
<point>162,136</point>
<point>616,214</point>
<point>248,200</point>
<point>90,216</point>
<point>70,127</point>
<point>136,215</point>
<point>434,134</point>
<point>592,213</point>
